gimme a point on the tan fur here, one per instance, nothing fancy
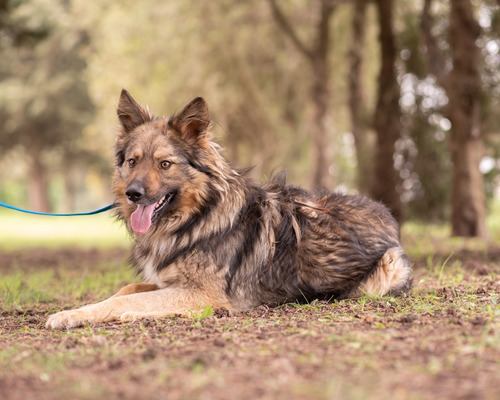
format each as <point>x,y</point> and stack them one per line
<point>130,307</point>
<point>191,198</point>
<point>390,273</point>
<point>215,238</point>
<point>147,300</point>
<point>136,288</point>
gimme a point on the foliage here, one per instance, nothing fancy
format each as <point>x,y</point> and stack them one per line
<point>64,63</point>
<point>43,91</point>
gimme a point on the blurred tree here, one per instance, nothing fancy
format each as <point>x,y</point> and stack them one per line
<point>266,70</point>
<point>387,118</point>
<point>359,115</point>
<point>462,84</point>
<point>489,44</point>
<point>4,7</point>
<point>261,105</point>
<point>317,54</point>
<point>422,158</point>
<point>229,52</point>
<point>43,91</point>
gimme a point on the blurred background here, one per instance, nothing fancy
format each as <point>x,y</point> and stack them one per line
<point>398,100</point>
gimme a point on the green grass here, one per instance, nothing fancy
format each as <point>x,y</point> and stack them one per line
<point>23,230</point>
<point>20,290</point>
<point>17,289</point>
<point>424,240</point>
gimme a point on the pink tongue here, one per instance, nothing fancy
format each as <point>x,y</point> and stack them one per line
<point>141,219</point>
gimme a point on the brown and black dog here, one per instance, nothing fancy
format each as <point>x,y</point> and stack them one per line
<point>206,235</point>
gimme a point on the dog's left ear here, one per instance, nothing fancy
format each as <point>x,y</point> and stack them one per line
<point>193,121</point>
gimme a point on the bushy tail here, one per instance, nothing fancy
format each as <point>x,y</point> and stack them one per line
<point>392,275</point>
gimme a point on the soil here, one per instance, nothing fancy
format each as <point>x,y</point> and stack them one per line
<point>441,341</point>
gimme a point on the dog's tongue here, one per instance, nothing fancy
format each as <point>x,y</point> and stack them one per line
<point>141,219</point>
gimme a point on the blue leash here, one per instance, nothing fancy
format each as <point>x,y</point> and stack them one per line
<point>100,210</point>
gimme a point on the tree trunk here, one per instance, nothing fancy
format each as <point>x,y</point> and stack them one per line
<point>357,102</point>
<point>320,98</point>
<point>466,145</point>
<point>317,56</point>
<point>387,120</point>
<point>38,184</point>
<point>69,184</point>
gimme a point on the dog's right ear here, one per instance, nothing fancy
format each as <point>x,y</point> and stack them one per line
<point>131,114</point>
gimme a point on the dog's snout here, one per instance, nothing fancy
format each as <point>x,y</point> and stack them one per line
<point>135,192</point>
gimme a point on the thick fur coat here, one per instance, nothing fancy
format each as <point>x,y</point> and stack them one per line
<point>205,234</point>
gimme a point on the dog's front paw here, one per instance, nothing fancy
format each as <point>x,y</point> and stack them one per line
<point>131,316</point>
<point>67,319</point>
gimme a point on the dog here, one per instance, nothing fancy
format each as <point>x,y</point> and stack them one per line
<point>205,234</point>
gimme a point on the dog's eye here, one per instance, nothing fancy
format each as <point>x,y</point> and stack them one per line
<point>165,164</point>
<point>132,163</point>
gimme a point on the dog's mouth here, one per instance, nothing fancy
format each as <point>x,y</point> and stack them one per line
<point>145,215</point>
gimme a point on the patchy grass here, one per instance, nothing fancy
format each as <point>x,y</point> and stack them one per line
<point>442,340</point>
<point>33,277</point>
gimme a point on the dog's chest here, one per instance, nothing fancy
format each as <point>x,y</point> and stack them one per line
<point>187,268</point>
<point>150,272</point>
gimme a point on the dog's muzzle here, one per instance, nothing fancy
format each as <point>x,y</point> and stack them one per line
<point>135,192</point>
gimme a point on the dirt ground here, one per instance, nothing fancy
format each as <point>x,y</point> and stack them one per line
<point>440,341</point>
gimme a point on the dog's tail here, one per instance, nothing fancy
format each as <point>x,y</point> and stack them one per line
<point>392,275</point>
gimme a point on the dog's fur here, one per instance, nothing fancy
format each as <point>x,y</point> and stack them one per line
<point>218,239</point>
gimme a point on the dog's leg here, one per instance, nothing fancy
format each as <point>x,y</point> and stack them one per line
<point>157,303</point>
<point>131,316</point>
<point>391,275</point>
<point>136,288</point>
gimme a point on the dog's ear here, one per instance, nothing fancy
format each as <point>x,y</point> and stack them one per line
<point>193,121</point>
<point>131,114</point>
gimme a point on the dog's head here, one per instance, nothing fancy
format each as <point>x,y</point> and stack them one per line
<point>160,163</point>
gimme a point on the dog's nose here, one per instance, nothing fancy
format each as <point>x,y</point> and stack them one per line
<point>135,192</point>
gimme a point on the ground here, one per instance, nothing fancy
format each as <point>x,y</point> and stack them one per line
<point>441,340</point>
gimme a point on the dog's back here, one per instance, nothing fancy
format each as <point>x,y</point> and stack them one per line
<point>322,245</point>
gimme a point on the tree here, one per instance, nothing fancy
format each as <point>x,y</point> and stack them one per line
<point>463,88</point>
<point>43,93</point>
<point>387,118</point>
<point>357,99</point>
<point>422,157</point>
<point>317,55</point>
<point>248,73</point>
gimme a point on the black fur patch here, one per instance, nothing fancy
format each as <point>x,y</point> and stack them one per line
<point>250,230</point>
